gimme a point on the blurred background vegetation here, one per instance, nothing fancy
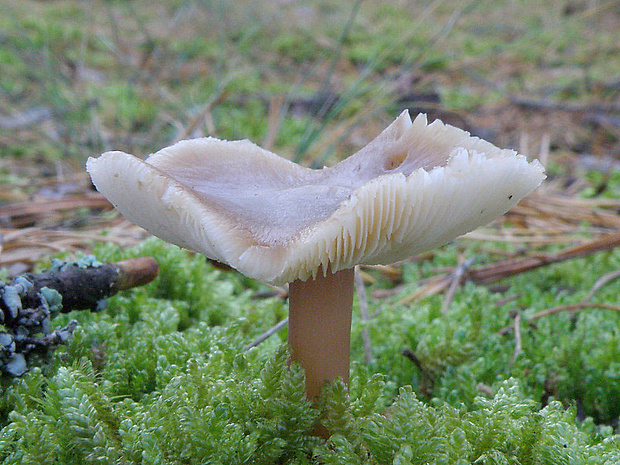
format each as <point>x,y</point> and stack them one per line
<point>314,80</point>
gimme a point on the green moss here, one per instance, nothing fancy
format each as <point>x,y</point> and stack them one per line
<point>161,377</point>
<point>132,111</point>
<point>299,47</point>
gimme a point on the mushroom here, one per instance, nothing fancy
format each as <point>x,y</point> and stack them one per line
<point>416,186</point>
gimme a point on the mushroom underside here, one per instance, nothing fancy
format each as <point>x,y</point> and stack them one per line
<point>416,186</point>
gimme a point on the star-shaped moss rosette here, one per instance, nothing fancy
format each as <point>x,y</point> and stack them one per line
<point>415,187</point>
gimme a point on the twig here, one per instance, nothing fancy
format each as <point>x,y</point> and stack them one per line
<point>22,213</point>
<point>517,327</point>
<point>427,380</point>
<point>363,303</point>
<point>456,280</point>
<point>490,273</point>
<point>273,122</point>
<point>602,282</point>
<point>494,272</point>
<point>218,97</point>
<point>507,299</point>
<point>276,291</point>
<point>548,104</point>
<point>31,301</point>
<point>134,273</point>
<point>25,246</point>
<point>563,308</point>
<point>573,308</point>
<point>82,287</point>
<point>267,334</point>
<point>408,353</point>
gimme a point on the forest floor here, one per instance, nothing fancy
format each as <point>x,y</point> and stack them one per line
<point>315,81</point>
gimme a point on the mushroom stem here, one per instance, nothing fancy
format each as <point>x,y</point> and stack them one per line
<point>319,331</point>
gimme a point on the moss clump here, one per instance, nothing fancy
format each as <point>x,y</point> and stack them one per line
<point>227,408</point>
<point>162,377</point>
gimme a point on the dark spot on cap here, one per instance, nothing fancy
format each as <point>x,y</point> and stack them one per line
<point>510,197</point>
<point>395,161</point>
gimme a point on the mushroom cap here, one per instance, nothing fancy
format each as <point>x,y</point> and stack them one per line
<point>416,186</point>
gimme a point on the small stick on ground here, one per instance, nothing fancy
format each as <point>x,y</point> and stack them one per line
<point>363,303</point>
<point>30,302</point>
<point>517,327</point>
<point>507,299</point>
<point>83,287</point>
<point>267,334</point>
<point>563,308</point>
<point>134,273</point>
<point>490,273</point>
<point>494,272</point>
<point>408,353</point>
<point>427,380</point>
<point>456,281</point>
<point>602,281</point>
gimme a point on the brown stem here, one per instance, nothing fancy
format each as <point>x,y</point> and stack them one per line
<point>319,333</point>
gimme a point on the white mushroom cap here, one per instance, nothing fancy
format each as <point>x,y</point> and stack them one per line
<point>415,187</point>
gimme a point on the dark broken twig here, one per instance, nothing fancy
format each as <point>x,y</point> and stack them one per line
<point>82,285</point>
<point>427,380</point>
<point>31,301</point>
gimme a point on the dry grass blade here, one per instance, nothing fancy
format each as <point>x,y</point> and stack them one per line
<point>363,305</point>
<point>517,328</point>
<point>431,287</point>
<point>273,122</point>
<point>559,210</point>
<point>490,273</point>
<point>456,281</point>
<point>601,282</point>
<point>563,308</point>
<point>23,214</point>
<point>267,334</point>
<point>25,247</point>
